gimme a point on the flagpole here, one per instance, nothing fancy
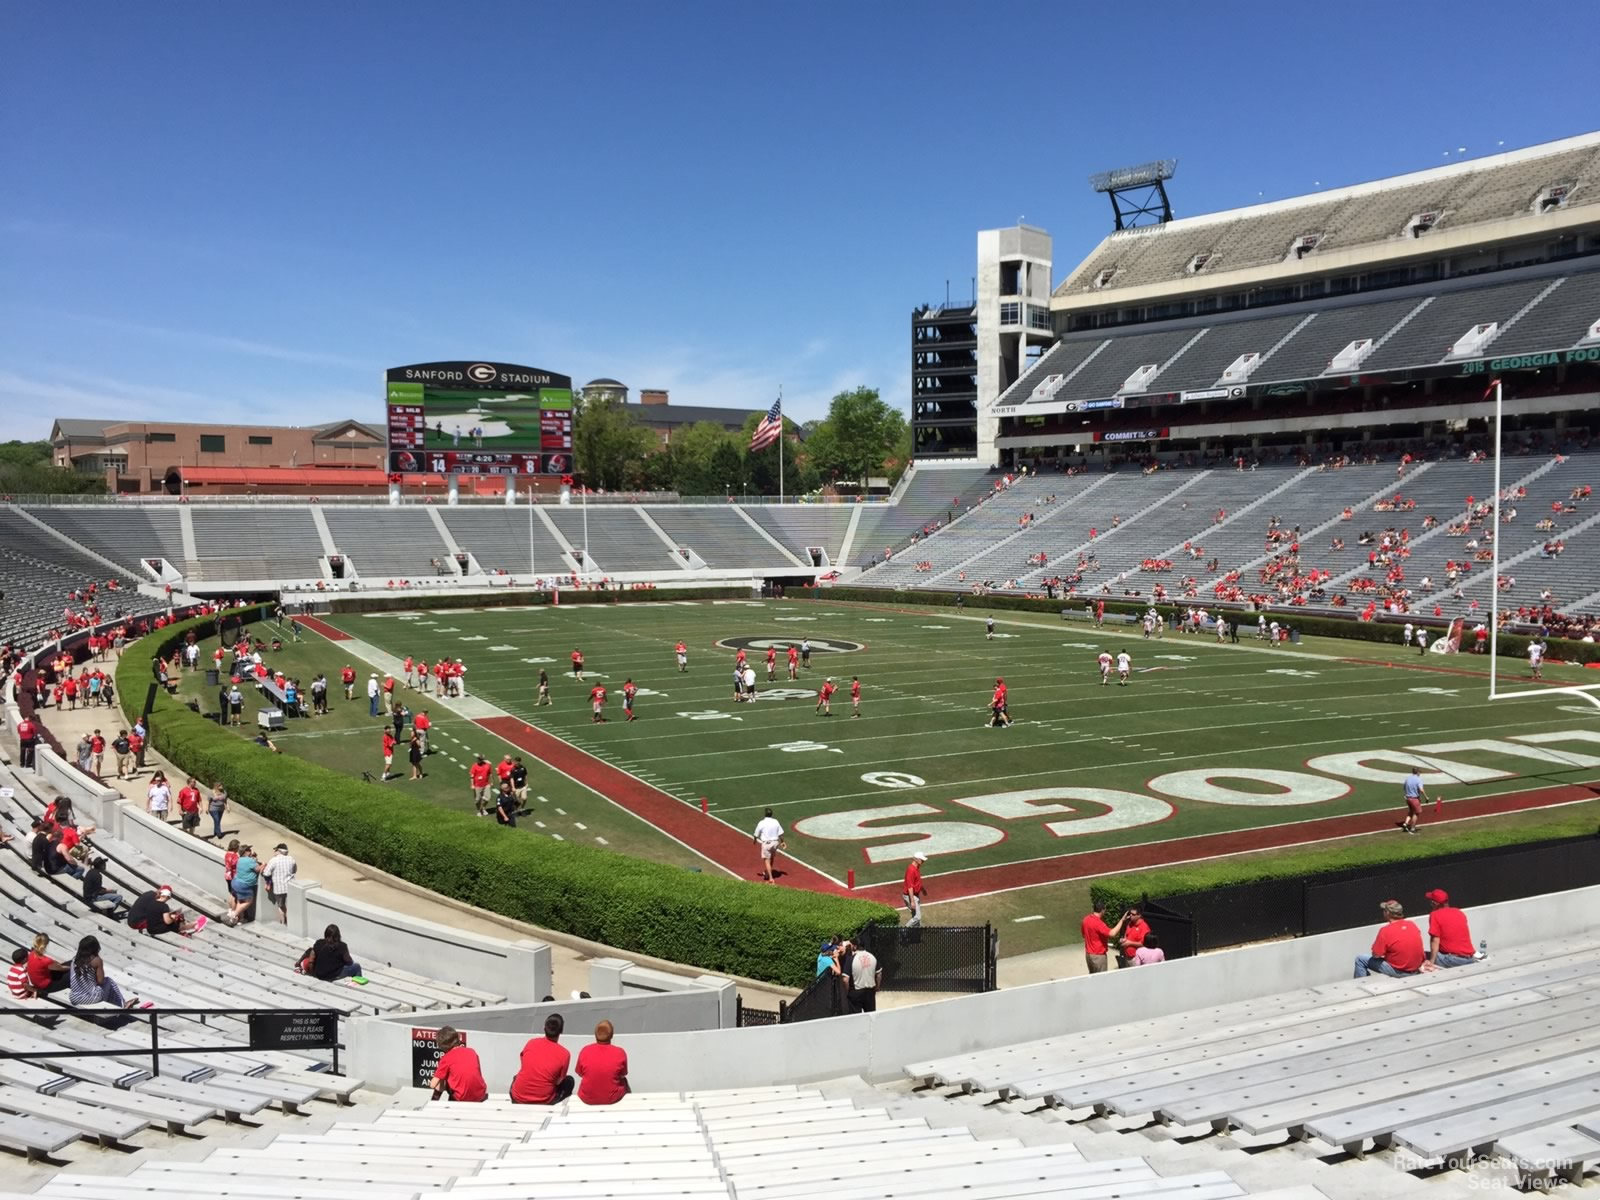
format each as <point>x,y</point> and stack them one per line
<point>780,443</point>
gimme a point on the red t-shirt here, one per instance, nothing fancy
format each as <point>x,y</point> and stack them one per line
<point>347,675</point>
<point>1134,932</point>
<point>1095,934</point>
<point>388,743</point>
<point>480,775</point>
<point>39,969</point>
<point>189,799</point>
<point>544,1065</point>
<point>97,744</point>
<point>855,690</point>
<point>1449,925</point>
<point>503,769</point>
<point>459,1069</point>
<point>913,883</point>
<point>794,655</point>
<point>134,743</point>
<point>602,1073</point>
<point>421,721</point>
<point>1399,943</point>
<point>827,691</point>
<point>597,694</point>
<point>576,657</point>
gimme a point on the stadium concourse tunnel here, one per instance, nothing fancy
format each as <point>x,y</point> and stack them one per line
<point>1235,915</point>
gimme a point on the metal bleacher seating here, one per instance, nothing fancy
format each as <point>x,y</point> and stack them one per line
<point>499,539</point>
<point>1557,322</point>
<point>720,536</point>
<point>619,539</point>
<point>383,541</point>
<point>1428,336</point>
<point>930,496</point>
<point>38,571</point>
<point>124,535</point>
<point>996,520</point>
<point>1351,1065</point>
<point>254,542</point>
<point>800,525</point>
<point>772,1142</point>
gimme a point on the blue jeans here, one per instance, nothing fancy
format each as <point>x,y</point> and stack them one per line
<point>372,703</point>
<point>216,823</point>
<point>349,971</point>
<point>1455,960</point>
<point>112,900</point>
<point>1367,964</point>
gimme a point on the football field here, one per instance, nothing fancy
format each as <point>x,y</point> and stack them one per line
<point>1210,749</point>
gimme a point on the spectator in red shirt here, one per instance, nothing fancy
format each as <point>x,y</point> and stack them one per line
<point>1449,939</point>
<point>543,1077</point>
<point>1097,937</point>
<point>479,773</point>
<point>603,1069</point>
<point>459,1075</point>
<point>914,889</point>
<point>189,807</point>
<point>388,752</point>
<point>1134,931</point>
<point>1397,950</point>
<point>420,724</point>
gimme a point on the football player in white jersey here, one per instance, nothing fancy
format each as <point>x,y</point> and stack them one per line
<point>1105,667</point>
<point>1124,665</point>
<point>1536,657</point>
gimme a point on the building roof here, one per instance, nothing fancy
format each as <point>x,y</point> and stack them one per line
<point>1374,219</point>
<point>375,477</point>
<point>78,427</point>
<point>673,415</point>
<point>605,383</point>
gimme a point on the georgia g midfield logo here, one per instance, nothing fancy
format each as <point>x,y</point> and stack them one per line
<point>820,645</point>
<point>482,373</point>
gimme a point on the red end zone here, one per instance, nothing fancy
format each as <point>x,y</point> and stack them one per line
<point>328,631</point>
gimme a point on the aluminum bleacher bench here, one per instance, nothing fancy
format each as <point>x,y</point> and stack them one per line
<point>232,1104</point>
<point>32,1076</point>
<point>1563,1149</point>
<point>102,1124</point>
<point>94,1070</point>
<point>912,1138</point>
<point>174,1114</point>
<point>1473,1133</point>
<point>159,1184</point>
<point>33,1137</point>
<point>303,1175</point>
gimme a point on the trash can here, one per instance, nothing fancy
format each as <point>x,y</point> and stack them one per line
<point>213,677</point>
<point>1294,636</point>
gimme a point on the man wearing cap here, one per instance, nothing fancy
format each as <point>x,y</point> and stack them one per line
<point>913,889</point>
<point>347,676</point>
<point>151,914</point>
<point>1449,939</point>
<point>1397,950</point>
<point>372,694</point>
<point>279,873</point>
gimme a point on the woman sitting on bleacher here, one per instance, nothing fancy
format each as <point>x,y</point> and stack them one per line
<point>89,982</point>
<point>330,958</point>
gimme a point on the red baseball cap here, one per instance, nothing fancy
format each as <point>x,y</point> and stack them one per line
<point>1437,896</point>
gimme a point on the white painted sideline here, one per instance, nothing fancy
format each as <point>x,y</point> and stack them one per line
<point>880,1045</point>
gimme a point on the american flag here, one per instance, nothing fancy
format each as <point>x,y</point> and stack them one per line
<point>771,426</point>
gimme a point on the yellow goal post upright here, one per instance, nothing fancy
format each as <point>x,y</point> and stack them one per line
<point>1582,691</point>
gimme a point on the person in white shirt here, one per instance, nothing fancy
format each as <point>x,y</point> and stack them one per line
<point>1222,630</point>
<point>158,798</point>
<point>769,837</point>
<point>1422,641</point>
<point>1105,667</point>
<point>1536,658</point>
<point>279,873</point>
<point>1261,626</point>
<point>1405,638</point>
<point>865,975</point>
<point>1124,665</point>
<point>1272,631</point>
<point>749,682</point>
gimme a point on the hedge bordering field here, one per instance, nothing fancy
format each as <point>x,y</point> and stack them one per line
<point>387,601</point>
<point>1511,645</point>
<point>715,923</point>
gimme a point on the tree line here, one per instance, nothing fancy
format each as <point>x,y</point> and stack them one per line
<point>28,469</point>
<point>861,437</point>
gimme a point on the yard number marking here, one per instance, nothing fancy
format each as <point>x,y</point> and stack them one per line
<point>893,779</point>
<point>802,746</point>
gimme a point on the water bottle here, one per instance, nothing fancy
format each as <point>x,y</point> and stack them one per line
<point>1483,948</point>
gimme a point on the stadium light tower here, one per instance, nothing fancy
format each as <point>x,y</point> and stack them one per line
<point>1138,194</point>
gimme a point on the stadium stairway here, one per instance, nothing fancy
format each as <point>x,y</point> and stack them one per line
<point>846,1140</point>
<point>1493,1068</point>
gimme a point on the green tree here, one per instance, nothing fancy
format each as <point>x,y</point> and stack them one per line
<point>610,446</point>
<point>26,469</point>
<point>861,437</point>
<point>761,466</point>
<point>706,460</point>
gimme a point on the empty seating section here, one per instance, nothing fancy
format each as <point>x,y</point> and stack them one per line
<point>124,535</point>
<point>932,495</point>
<point>1062,359</point>
<point>1428,336</point>
<point>499,539</point>
<point>385,541</point>
<point>619,539</point>
<point>1523,1058</point>
<point>1265,234</point>
<point>1105,375</point>
<point>1202,364</point>
<point>720,536</point>
<point>254,542</point>
<point>1558,321</point>
<point>1311,350</point>
<point>800,525</point>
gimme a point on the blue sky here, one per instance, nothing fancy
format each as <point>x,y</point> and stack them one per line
<point>236,212</point>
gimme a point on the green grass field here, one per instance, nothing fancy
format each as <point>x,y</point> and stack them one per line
<point>1206,739</point>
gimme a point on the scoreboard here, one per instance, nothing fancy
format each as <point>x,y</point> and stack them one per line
<point>478,418</point>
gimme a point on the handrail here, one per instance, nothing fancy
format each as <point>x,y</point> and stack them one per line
<point>289,1029</point>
